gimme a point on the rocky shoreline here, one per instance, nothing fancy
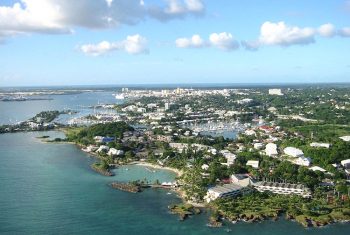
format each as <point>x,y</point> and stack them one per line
<point>184,210</point>
<point>102,171</point>
<point>127,187</point>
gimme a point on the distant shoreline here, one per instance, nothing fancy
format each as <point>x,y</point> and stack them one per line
<point>222,85</point>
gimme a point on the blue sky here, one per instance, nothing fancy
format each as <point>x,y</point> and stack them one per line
<point>87,42</point>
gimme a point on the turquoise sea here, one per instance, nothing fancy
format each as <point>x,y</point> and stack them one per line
<point>50,189</point>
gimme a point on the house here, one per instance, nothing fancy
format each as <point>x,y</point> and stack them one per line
<point>103,139</point>
<point>115,152</point>
<point>90,148</point>
<point>226,190</point>
<point>266,129</point>
<point>164,138</point>
<point>102,148</point>
<point>258,146</point>
<point>345,163</point>
<point>253,163</point>
<point>230,157</point>
<point>293,152</point>
<point>250,132</point>
<point>205,167</point>
<point>283,188</point>
<point>345,138</point>
<point>320,145</point>
<point>271,150</point>
<point>303,161</point>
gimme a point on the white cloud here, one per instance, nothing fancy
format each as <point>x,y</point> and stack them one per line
<point>180,7</point>
<point>195,42</point>
<point>223,41</point>
<point>109,3</point>
<point>284,35</point>
<point>134,44</point>
<point>251,45</point>
<point>62,16</point>
<point>327,30</point>
<point>177,9</point>
<point>344,32</point>
<point>281,34</point>
<point>194,5</point>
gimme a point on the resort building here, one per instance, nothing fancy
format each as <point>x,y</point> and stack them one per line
<point>243,180</point>
<point>226,190</point>
<point>283,188</point>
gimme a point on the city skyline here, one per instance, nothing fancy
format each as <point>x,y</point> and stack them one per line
<point>176,41</point>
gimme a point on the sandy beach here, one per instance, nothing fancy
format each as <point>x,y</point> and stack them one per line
<point>147,164</point>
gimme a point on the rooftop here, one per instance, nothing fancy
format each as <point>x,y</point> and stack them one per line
<point>226,188</point>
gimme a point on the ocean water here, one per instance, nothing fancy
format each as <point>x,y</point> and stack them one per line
<point>50,189</point>
<point>12,112</point>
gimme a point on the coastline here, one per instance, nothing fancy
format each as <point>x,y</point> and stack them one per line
<point>155,166</point>
<point>305,221</point>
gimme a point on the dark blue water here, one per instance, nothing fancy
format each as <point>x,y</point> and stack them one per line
<point>50,189</point>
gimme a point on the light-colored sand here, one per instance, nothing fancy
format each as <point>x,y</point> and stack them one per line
<point>147,164</point>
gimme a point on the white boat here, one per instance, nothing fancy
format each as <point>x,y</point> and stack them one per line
<point>119,96</point>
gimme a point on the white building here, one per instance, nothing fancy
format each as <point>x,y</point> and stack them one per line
<point>253,163</point>
<point>250,132</point>
<point>271,149</point>
<point>345,138</point>
<point>243,180</point>
<point>258,146</point>
<point>317,168</point>
<point>230,157</point>
<point>293,152</point>
<point>303,161</point>
<point>226,190</point>
<point>115,152</point>
<point>283,188</point>
<point>320,145</point>
<point>90,148</point>
<point>345,163</point>
<point>275,92</point>
<point>205,167</point>
<point>102,148</point>
<point>166,106</point>
<point>244,101</point>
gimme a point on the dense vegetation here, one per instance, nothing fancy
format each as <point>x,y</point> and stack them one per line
<point>86,135</point>
<point>259,206</point>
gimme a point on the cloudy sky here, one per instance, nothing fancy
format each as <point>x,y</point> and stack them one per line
<point>87,42</point>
